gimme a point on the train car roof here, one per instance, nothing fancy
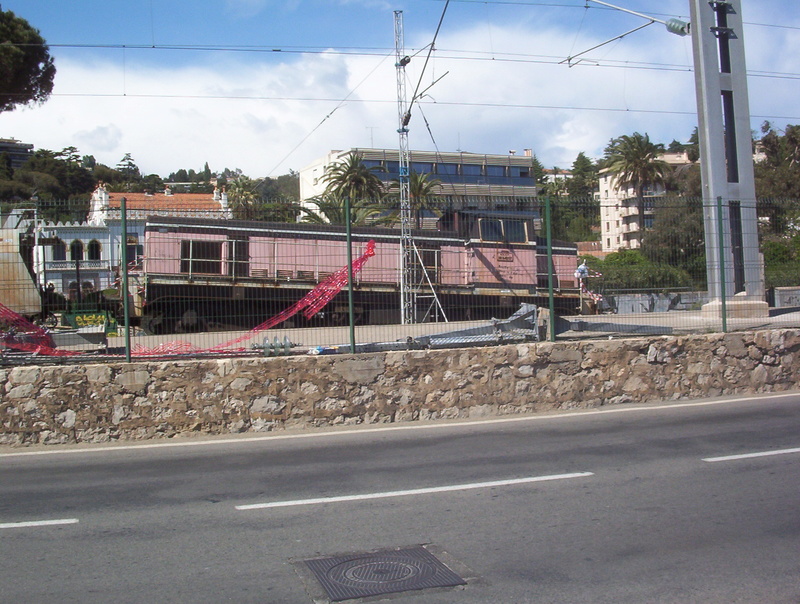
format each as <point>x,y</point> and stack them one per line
<point>211,224</point>
<point>519,214</point>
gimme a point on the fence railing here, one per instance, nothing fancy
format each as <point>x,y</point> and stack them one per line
<point>201,284</point>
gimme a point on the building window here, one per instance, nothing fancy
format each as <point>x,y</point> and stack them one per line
<point>76,250</point>
<point>422,167</point>
<point>495,170</point>
<point>133,251</point>
<point>93,250</point>
<point>450,169</point>
<point>59,250</point>
<point>471,170</point>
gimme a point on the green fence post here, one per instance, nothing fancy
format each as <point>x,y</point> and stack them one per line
<point>123,209</point>
<point>350,312</point>
<point>550,293</point>
<point>722,292</point>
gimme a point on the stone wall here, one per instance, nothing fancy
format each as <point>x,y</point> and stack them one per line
<point>98,403</point>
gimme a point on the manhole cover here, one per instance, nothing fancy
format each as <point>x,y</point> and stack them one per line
<point>384,572</point>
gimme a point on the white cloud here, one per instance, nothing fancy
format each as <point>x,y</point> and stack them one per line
<point>266,117</point>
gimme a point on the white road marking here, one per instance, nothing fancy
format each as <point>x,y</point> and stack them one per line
<point>34,523</point>
<point>751,455</point>
<point>439,425</point>
<point>426,491</point>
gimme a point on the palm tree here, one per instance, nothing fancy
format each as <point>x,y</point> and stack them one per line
<point>351,179</point>
<point>242,198</point>
<point>330,209</point>
<point>422,194</point>
<point>635,160</point>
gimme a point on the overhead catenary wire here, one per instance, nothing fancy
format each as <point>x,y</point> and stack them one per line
<point>341,103</point>
<point>442,53</point>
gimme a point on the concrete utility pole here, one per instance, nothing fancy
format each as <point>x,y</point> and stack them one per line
<point>726,158</point>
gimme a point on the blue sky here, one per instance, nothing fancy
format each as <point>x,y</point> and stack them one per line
<point>269,85</point>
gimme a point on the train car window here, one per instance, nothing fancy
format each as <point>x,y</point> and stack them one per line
<point>238,257</point>
<point>491,229</point>
<point>201,257</point>
<point>515,231</point>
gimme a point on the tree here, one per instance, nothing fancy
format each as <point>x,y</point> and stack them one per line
<point>330,209</point>
<point>288,186</point>
<point>635,160</point>
<point>693,148</point>
<point>584,177</point>
<point>676,147</point>
<point>27,70</point>
<point>253,200</point>
<point>678,236</point>
<point>777,176</point>
<point>242,198</point>
<point>351,179</point>
<point>56,176</point>
<point>537,171</point>
<point>128,168</point>
<point>631,270</point>
<point>422,194</point>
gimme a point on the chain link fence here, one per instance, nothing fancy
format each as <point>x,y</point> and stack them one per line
<point>159,277</point>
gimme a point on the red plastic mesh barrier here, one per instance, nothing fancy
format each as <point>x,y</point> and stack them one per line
<point>17,333</point>
<point>310,304</point>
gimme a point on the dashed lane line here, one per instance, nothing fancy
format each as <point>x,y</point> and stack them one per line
<point>411,492</point>
<point>751,455</point>
<point>37,523</point>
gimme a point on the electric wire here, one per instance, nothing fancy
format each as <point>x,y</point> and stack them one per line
<point>442,54</point>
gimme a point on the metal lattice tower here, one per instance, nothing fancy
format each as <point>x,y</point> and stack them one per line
<point>403,116</point>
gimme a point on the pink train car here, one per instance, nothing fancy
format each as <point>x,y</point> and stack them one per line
<point>203,274</point>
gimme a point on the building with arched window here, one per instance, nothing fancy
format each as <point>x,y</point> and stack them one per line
<point>91,253</point>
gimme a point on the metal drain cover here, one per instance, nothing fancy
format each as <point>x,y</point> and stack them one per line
<point>384,572</point>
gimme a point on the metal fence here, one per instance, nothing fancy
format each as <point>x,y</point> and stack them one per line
<point>106,281</point>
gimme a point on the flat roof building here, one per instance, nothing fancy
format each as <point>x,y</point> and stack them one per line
<point>468,180</point>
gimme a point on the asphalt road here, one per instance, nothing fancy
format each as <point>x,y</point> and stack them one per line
<point>627,504</point>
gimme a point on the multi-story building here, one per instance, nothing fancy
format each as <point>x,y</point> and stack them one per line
<point>619,212</point>
<point>17,152</point>
<point>468,180</point>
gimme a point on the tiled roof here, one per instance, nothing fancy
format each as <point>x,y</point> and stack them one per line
<point>158,203</point>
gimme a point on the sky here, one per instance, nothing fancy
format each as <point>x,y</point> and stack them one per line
<point>268,86</point>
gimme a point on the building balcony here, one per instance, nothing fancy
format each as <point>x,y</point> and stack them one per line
<point>69,265</point>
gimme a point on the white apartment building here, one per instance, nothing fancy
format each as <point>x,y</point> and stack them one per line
<point>619,213</point>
